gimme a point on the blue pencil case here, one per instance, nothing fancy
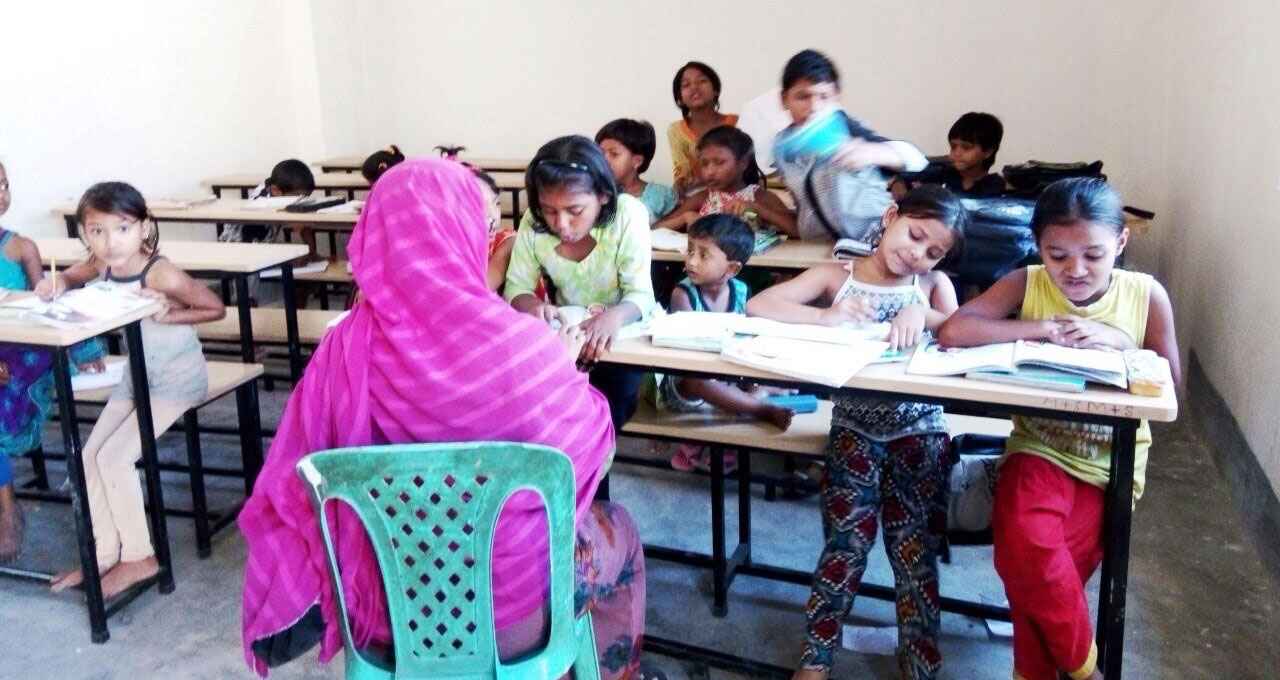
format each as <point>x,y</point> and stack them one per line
<point>798,403</point>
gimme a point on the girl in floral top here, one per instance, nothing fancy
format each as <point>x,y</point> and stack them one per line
<point>591,243</point>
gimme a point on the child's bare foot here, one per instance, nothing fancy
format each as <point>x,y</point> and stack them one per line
<point>66,579</point>
<point>11,530</point>
<point>809,674</point>
<point>125,574</point>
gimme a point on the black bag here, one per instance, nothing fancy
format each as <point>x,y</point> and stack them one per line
<point>998,240</point>
<point>1027,180</point>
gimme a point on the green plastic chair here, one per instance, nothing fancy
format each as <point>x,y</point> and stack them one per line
<point>430,511</point>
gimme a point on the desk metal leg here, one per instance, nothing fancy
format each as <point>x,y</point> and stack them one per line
<point>250,433</point>
<point>246,320</point>
<point>150,460</point>
<point>1117,524</point>
<point>719,556</point>
<point>79,498</point>
<point>199,502</point>
<point>744,504</point>
<point>291,322</point>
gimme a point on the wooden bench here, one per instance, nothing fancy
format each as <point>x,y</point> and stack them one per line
<point>269,326</point>
<point>806,437</point>
<point>224,378</point>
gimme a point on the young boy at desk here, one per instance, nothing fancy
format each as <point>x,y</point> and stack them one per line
<point>719,247</point>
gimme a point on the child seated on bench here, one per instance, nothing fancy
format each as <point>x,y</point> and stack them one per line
<point>719,246</point>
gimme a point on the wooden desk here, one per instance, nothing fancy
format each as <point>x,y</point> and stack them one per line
<point>1120,411</point>
<point>59,340</point>
<point>353,163</point>
<point>223,261</point>
<point>230,211</point>
<point>350,183</point>
<point>791,254</point>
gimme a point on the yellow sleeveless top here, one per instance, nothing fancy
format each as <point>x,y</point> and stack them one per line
<point>1083,450</point>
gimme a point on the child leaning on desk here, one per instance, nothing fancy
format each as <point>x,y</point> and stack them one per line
<point>1047,519</point>
<point>886,460</point>
<point>123,241</point>
<point>719,246</point>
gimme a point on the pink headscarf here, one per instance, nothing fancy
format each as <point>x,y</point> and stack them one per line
<point>429,354</point>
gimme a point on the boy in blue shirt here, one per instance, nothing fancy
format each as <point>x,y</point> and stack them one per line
<point>629,146</point>
<point>719,246</point>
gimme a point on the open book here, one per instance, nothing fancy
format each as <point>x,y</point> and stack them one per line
<point>78,308</point>
<point>815,362</point>
<point>709,331</point>
<point>668,240</point>
<point>1023,362</point>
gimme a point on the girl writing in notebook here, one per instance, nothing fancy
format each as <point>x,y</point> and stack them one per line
<point>885,461</point>
<point>591,242</point>
<point>734,185</point>
<point>123,241</point>
<point>1048,510</point>
<point>26,379</point>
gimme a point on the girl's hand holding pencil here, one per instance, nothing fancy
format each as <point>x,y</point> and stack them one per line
<point>52,285</point>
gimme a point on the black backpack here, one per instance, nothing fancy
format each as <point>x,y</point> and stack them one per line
<point>1027,180</point>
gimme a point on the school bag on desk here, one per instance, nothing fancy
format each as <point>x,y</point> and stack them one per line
<point>1027,180</point>
<point>997,240</point>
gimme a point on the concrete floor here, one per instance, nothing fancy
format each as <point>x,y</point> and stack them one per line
<point>1201,605</point>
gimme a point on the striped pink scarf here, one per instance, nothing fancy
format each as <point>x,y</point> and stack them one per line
<point>429,354</point>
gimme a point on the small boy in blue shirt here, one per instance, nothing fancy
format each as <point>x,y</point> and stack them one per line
<point>629,146</point>
<point>719,246</point>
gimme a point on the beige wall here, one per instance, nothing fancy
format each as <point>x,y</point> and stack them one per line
<point>1223,207</point>
<point>155,93</point>
<point>1179,99</point>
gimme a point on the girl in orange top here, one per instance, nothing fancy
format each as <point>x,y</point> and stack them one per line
<point>696,89</point>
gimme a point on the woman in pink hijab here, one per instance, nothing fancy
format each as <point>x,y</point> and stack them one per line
<point>430,354</point>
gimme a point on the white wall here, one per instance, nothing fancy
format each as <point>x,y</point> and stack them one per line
<point>1177,98</point>
<point>157,94</point>
<point>1223,175</point>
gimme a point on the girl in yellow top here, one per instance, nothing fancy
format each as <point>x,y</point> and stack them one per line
<point>696,89</point>
<point>1049,497</point>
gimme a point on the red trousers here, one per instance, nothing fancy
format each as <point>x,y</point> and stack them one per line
<point>1048,542</point>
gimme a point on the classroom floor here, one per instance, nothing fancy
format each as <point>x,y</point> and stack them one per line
<point>1201,604</point>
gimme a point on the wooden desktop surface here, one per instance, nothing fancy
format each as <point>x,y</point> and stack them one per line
<point>1094,401</point>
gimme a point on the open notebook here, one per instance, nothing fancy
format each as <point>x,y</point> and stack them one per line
<point>815,362</point>
<point>709,331</point>
<point>1036,364</point>
<point>77,308</point>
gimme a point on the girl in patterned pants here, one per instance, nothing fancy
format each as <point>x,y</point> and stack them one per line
<point>886,459</point>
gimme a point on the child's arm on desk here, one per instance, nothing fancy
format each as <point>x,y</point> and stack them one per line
<point>1160,336</point>
<point>985,320</point>
<point>196,303</point>
<point>792,301</point>
<point>685,214</point>
<point>908,327</point>
<point>773,211</point>
<point>51,286</point>
<point>723,395</point>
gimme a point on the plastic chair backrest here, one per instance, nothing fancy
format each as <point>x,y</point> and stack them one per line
<point>430,511</point>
